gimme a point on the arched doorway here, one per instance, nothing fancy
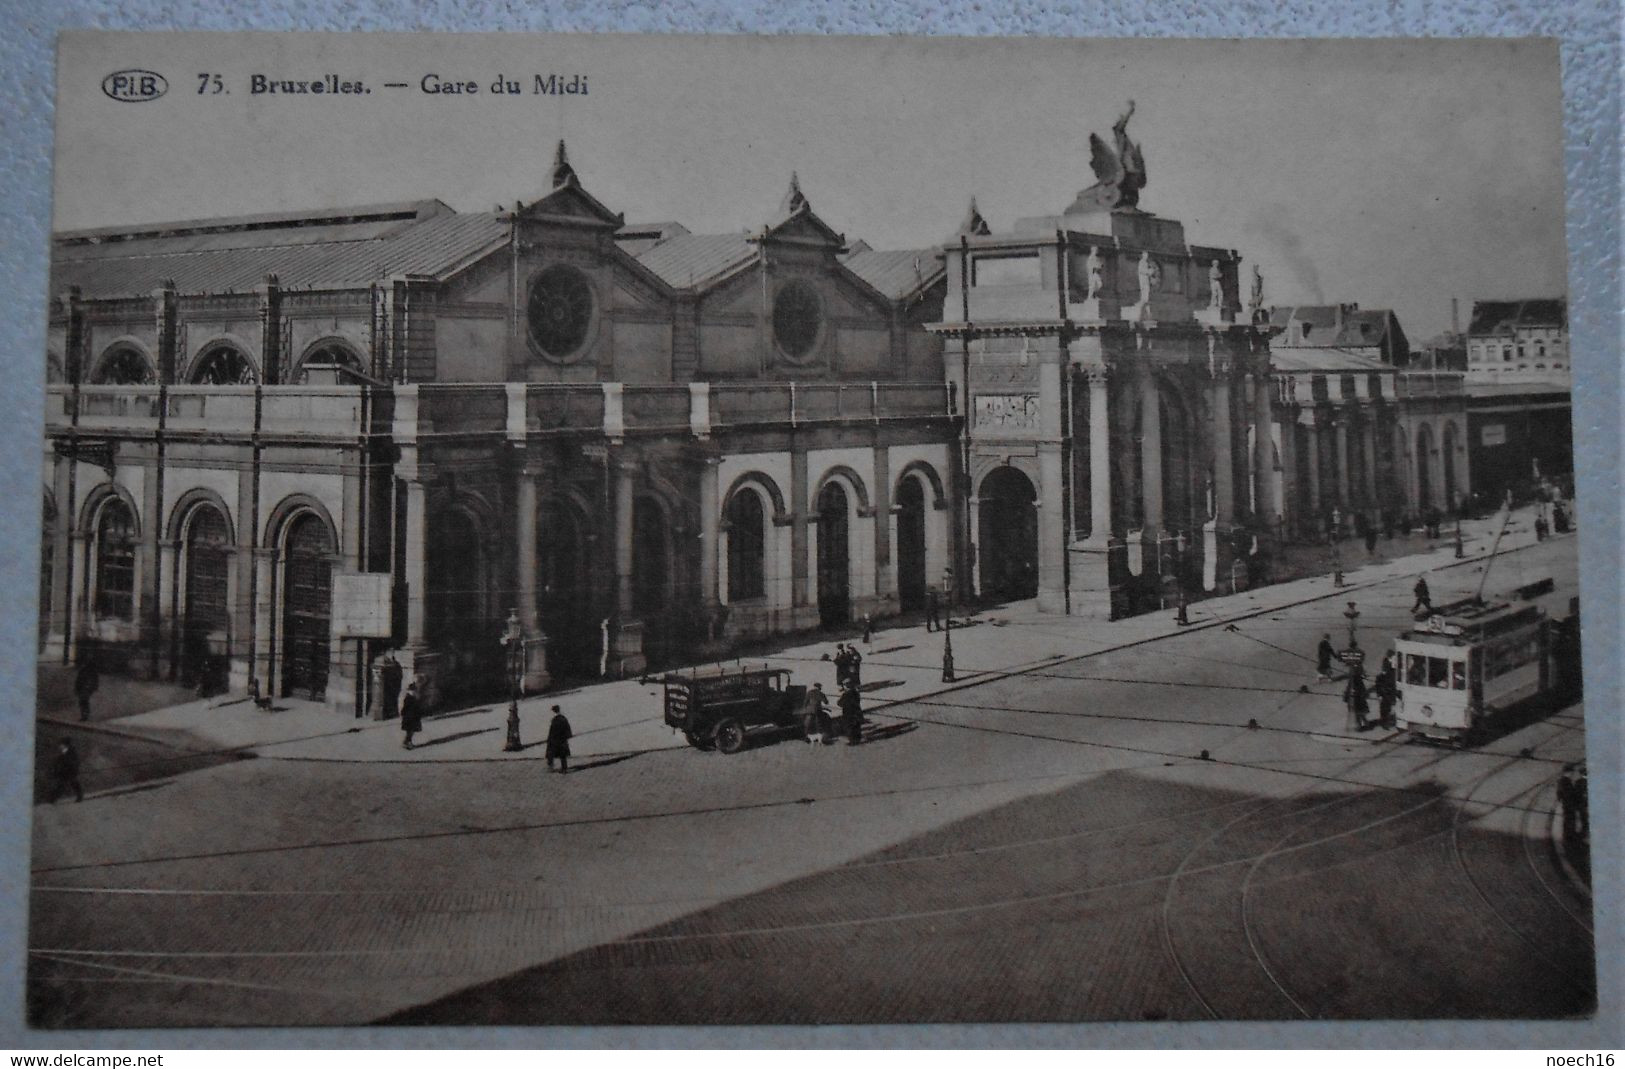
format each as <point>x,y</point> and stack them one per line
<point>457,617</point>
<point>206,612</point>
<point>1424,468</point>
<point>746,522</point>
<point>564,591</point>
<point>834,556</point>
<point>1008,521</point>
<point>307,607</point>
<point>911,543</point>
<point>1449,447</point>
<point>651,578</point>
<point>1178,467</point>
<point>124,365</point>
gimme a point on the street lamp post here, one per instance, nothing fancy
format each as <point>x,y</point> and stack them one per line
<point>948,651</point>
<point>1337,565</point>
<point>1351,614</point>
<point>513,639</point>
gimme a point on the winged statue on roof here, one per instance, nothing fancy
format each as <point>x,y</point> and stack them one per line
<point>1119,170</point>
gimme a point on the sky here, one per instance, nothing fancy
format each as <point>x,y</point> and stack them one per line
<point>1384,173</point>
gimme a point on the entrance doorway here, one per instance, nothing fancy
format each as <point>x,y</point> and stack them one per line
<point>206,611</point>
<point>567,602</point>
<point>911,544</point>
<point>651,577</point>
<point>834,557</point>
<point>307,596</point>
<point>1008,517</point>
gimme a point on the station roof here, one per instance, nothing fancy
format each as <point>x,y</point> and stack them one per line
<point>1325,360</point>
<point>338,249</point>
<point>1332,326</point>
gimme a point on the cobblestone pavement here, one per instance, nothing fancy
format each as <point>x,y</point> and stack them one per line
<point>1037,846</point>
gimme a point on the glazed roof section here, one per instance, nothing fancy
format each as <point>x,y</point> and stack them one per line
<point>1494,317</point>
<point>898,274</point>
<point>1358,327</point>
<point>344,249</point>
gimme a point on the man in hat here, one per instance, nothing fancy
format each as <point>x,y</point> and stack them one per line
<point>85,683</point>
<point>65,772</point>
<point>813,714</point>
<point>852,715</point>
<point>411,715</point>
<point>1424,598</point>
<point>1323,657</point>
<point>558,741</point>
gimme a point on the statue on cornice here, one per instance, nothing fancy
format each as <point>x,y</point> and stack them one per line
<point>1256,304</point>
<point>1119,170</point>
<point>1097,269</point>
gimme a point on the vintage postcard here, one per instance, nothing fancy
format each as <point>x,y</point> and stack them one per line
<point>629,530</point>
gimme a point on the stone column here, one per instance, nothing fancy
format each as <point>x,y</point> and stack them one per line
<point>710,544</point>
<point>1288,494</point>
<point>1224,468</point>
<point>1263,451</point>
<point>1051,487</point>
<point>415,535</point>
<point>529,544</point>
<point>263,641</point>
<point>79,594</point>
<point>1100,461</point>
<point>1368,449</point>
<point>1313,439</point>
<point>1340,458</point>
<point>626,656</point>
<point>1150,452</point>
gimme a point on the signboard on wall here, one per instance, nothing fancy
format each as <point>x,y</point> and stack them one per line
<point>1001,411</point>
<point>361,604</point>
<point>1492,434</point>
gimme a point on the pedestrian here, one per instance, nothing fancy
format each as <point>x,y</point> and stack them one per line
<point>389,678</point>
<point>411,715</point>
<point>1355,694</point>
<point>603,644</point>
<point>65,772</point>
<point>840,664</point>
<point>1568,801</point>
<point>1323,657</point>
<point>1424,599</point>
<point>854,668</point>
<point>813,714</point>
<point>1582,803</point>
<point>1541,530</point>
<point>932,622</point>
<point>1371,541</point>
<point>1387,690</point>
<point>868,629</point>
<point>558,741</point>
<point>85,683</point>
<point>852,715</point>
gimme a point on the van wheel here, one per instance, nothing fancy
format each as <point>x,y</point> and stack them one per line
<point>697,741</point>
<point>730,736</point>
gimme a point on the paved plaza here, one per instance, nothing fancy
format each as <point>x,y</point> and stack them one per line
<point>1083,826</point>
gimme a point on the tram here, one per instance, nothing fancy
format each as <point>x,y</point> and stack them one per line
<point>1471,662</point>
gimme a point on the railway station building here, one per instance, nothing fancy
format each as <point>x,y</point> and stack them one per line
<point>279,445</point>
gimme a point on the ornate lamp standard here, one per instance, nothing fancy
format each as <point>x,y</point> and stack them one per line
<point>513,640</point>
<point>1351,614</point>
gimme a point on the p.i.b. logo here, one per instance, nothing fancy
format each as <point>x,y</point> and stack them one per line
<point>135,85</point>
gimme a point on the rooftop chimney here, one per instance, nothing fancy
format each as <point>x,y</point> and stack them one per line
<point>1455,316</point>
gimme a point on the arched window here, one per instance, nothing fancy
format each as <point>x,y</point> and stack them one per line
<point>747,543</point>
<point>330,355</point>
<point>124,366</point>
<point>115,562</point>
<point>223,365</point>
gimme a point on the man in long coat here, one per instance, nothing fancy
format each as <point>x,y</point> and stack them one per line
<point>411,715</point>
<point>1424,598</point>
<point>1387,690</point>
<point>558,741</point>
<point>65,772</point>
<point>1323,657</point>
<point>852,714</point>
<point>85,683</point>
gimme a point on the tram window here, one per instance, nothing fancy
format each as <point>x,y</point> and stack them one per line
<point>1438,672</point>
<point>1458,675</point>
<point>1416,670</point>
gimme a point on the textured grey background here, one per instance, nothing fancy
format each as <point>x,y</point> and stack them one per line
<point>1591,82</point>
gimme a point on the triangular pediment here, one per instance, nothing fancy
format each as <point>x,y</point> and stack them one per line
<point>570,203</point>
<point>803,227</point>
